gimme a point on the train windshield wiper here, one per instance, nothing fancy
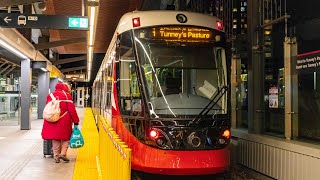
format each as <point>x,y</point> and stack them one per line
<point>209,106</point>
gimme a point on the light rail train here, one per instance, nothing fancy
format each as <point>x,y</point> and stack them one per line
<point>163,87</point>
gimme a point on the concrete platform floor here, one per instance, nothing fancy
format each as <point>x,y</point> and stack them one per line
<point>21,156</point>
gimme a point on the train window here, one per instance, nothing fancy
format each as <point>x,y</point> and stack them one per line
<point>128,86</point>
<point>127,81</point>
<point>129,97</point>
<point>179,70</point>
<point>109,81</point>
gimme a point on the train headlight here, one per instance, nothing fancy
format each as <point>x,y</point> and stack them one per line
<point>154,134</point>
<point>226,133</point>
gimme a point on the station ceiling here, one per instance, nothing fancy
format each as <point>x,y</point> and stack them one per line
<point>71,58</point>
<point>110,12</point>
<point>68,48</point>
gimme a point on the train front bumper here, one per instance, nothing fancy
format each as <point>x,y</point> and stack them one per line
<point>168,162</point>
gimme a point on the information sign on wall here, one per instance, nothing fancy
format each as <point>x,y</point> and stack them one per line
<point>308,61</point>
<point>273,97</point>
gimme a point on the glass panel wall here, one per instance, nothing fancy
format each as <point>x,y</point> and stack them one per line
<point>273,38</point>
<point>242,98</point>
<point>306,26</point>
<point>10,99</point>
<point>309,105</point>
<point>34,101</point>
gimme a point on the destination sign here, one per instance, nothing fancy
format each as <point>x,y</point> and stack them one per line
<point>40,21</point>
<point>182,34</point>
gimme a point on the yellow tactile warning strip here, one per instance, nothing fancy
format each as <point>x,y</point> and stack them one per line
<point>87,164</point>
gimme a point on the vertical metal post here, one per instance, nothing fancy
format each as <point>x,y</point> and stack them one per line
<point>294,88</point>
<point>291,88</point>
<point>53,83</point>
<point>235,80</point>
<point>43,90</point>
<point>255,71</point>
<point>233,92</point>
<point>26,76</point>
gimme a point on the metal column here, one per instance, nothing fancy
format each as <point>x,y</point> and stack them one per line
<point>43,90</point>
<point>26,77</point>
<point>291,88</point>
<point>255,71</point>
<point>53,83</point>
<point>235,76</point>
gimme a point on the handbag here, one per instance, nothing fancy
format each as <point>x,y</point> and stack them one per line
<point>76,139</point>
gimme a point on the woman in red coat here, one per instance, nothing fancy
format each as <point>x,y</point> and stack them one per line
<point>60,131</point>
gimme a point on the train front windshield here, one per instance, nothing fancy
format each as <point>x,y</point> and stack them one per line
<point>183,69</point>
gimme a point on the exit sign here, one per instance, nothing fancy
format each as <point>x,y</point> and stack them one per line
<point>77,22</point>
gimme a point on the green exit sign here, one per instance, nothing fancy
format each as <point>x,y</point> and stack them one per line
<point>78,22</point>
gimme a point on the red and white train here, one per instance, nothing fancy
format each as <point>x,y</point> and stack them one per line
<point>163,87</point>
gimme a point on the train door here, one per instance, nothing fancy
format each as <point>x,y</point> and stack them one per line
<point>109,85</point>
<point>80,97</point>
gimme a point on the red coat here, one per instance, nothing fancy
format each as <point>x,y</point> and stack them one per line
<point>62,129</point>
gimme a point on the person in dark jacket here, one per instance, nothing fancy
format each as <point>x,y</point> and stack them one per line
<point>60,132</point>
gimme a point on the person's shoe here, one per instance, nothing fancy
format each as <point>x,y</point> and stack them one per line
<point>64,157</point>
<point>56,160</point>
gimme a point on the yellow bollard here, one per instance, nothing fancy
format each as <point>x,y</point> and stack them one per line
<point>114,154</point>
<point>120,164</point>
<point>123,147</point>
<point>127,165</point>
<point>113,159</point>
<point>118,157</point>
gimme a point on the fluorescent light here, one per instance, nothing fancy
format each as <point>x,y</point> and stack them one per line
<point>2,137</point>
<point>89,62</point>
<point>89,74</point>
<point>90,49</point>
<point>44,69</point>
<point>90,53</point>
<point>12,49</point>
<point>92,15</point>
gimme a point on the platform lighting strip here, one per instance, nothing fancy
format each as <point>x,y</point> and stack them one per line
<point>20,54</point>
<point>12,49</point>
<point>92,18</point>
<point>44,69</point>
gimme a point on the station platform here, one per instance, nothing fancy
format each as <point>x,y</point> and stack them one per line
<point>21,153</point>
<point>21,156</point>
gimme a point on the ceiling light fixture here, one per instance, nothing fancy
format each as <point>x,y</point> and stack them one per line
<point>44,69</point>
<point>12,49</point>
<point>93,6</point>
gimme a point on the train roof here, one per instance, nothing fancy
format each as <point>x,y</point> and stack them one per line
<point>165,17</point>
